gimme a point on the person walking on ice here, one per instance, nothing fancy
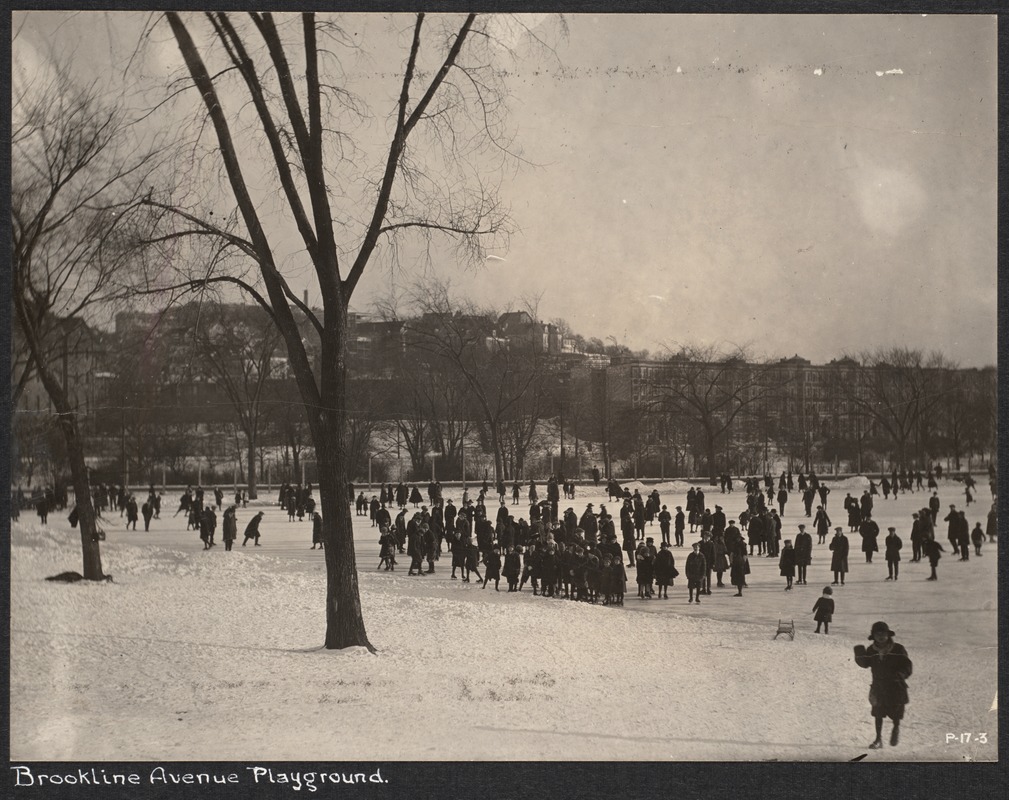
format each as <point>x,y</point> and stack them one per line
<point>252,530</point>
<point>823,610</point>
<point>891,668</point>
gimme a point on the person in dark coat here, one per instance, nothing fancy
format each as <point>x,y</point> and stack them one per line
<point>208,523</point>
<point>679,522</point>
<point>415,546</point>
<point>665,570</point>
<point>786,564</point>
<point>147,511</point>
<point>472,562</point>
<point>252,530</point>
<point>493,572</point>
<point>644,571</point>
<point>132,513</point>
<point>696,569</point>
<point>822,524</point>
<point>963,536</point>
<point>892,544</point>
<point>933,552</point>
<point>891,668</point>
<point>991,529</point>
<point>803,553</point>
<point>738,566</point>
<point>917,537</point>
<point>317,531</point>
<point>977,538</point>
<point>823,610</point>
<point>869,532</point>
<point>839,556</point>
<point>951,531</point>
<point>513,567</point>
<point>665,518</point>
<point>708,551</point>
<point>229,528</point>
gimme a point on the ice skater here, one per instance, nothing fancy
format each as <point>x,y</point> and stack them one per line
<point>252,530</point>
<point>933,552</point>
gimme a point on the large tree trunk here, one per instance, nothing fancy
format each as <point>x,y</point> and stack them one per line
<point>86,523</point>
<point>67,418</point>
<point>251,473</point>
<point>344,620</point>
<point>495,443</point>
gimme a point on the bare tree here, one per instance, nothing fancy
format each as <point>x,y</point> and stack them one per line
<point>237,345</point>
<point>75,176</point>
<point>504,377</point>
<point>709,388</point>
<point>898,388</point>
<point>302,122</point>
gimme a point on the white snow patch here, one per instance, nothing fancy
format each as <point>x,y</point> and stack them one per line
<point>818,71</point>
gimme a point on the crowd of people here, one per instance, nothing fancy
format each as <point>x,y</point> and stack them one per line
<point>580,557</point>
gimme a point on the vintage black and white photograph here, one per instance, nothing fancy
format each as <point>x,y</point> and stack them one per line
<point>425,387</point>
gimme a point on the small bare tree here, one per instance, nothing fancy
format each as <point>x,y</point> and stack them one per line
<point>76,174</point>
<point>709,388</point>
<point>899,388</point>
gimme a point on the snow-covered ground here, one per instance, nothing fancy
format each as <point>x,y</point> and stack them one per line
<point>194,655</point>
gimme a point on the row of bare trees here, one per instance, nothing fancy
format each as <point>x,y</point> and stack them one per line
<point>891,405</point>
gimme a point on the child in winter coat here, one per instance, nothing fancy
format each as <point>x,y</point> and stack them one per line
<point>513,568</point>
<point>493,571</point>
<point>823,610</point>
<point>977,537</point>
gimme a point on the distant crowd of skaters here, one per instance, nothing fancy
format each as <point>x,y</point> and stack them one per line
<point>580,558</point>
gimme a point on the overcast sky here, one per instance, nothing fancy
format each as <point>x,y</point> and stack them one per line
<point>804,184</point>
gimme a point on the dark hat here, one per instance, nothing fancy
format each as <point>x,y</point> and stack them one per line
<point>891,529</point>
<point>649,539</point>
<point>881,627</point>
<point>590,506</point>
<point>827,590</point>
<point>666,544</point>
<point>839,530</point>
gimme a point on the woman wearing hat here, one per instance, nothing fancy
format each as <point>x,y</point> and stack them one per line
<point>891,668</point>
